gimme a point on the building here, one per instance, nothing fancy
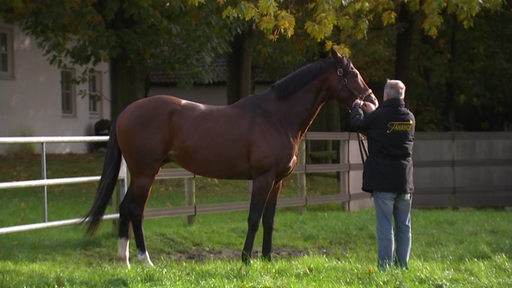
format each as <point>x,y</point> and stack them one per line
<point>38,99</point>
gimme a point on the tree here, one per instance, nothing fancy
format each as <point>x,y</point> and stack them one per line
<point>461,79</point>
<point>378,34</point>
<point>338,23</point>
<point>135,37</point>
<point>239,76</point>
<point>139,36</point>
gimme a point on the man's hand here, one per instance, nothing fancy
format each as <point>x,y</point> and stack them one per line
<point>373,100</point>
<point>357,103</point>
<point>368,107</point>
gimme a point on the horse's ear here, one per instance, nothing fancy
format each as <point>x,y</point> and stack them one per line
<point>335,53</point>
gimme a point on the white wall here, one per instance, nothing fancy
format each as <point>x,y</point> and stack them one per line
<point>207,94</point>
<point>30,103</point>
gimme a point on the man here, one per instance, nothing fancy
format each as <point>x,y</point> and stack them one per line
<point>388,171</point>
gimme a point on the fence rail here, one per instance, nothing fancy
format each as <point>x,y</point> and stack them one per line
<point>52,139</point>
<point>48,182</point>
<point>45,182</point>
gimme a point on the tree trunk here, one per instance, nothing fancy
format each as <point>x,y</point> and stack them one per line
<point>450,84</point>
<point>404,44</point>
<point>127,83</point>
<point>239,66</point>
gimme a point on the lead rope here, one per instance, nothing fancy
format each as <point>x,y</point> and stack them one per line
<point>363,151</point>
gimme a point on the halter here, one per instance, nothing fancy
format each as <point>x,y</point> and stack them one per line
<point>363,150</point>
<point>344,83</point>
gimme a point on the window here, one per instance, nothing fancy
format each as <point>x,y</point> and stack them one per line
<point>68,92</point>
<point>6,53</point>
<point>95,94</point>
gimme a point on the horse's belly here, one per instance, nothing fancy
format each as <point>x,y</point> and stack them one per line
<point>229,145</point>
<point>214,163</point>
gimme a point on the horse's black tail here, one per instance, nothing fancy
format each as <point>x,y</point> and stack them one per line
<point>108,180</point>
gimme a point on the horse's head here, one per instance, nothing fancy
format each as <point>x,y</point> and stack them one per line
<point>349,82</point>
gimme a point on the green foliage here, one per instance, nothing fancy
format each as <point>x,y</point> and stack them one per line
<point>317,18</point>
<point>460,77</point>
<point>445,87</point>
<point>433,12</point>
<point>351,18</point>
<point>164,35</point>
<point>186,36</point>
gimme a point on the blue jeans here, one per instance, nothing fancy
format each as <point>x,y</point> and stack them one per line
<point>389,206</point>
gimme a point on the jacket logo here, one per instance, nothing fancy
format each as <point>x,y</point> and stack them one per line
<point>399,126</point>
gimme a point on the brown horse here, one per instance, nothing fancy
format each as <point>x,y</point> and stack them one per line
<point>255,138</point>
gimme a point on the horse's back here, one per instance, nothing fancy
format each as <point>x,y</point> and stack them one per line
<point>162,127</point>
<point>158,110</point>
<point>234,141</point>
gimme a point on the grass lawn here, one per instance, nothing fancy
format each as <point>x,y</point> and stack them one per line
<point>322,247</point>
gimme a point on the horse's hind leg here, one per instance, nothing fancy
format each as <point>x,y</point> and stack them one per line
<point>143,187</point>
<point>124,230</point>
<point>132,210</point>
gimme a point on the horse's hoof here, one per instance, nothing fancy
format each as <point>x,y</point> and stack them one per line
<point>148,262</point>
<point>246,258</point>
<point>122,251</point>
<point>124,261</point>
<point>144,258</point>
<point>267,258</point>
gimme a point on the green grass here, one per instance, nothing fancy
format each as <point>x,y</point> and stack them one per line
<point>322,247</point>
<point>319,248</point>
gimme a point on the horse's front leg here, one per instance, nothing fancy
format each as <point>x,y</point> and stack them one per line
<point>268,220</point>
<point>261,187</point>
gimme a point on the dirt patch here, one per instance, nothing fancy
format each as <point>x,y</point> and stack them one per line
<point>209,254</point>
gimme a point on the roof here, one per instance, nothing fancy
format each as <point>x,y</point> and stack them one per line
<point>219,67</point>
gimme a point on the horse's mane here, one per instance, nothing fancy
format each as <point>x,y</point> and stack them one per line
<point>298,79</point>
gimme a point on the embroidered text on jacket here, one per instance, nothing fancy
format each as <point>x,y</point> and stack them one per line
<point>399,126</point>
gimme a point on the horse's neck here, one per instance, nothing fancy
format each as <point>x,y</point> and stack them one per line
<point>294,112</point>
<point>300,109</point>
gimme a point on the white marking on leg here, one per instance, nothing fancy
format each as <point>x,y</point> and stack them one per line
<point>144,258</point>
<point>123,251</point>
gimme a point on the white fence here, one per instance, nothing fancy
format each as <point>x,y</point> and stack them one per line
<point>44,182</point>
<point>341,195</point>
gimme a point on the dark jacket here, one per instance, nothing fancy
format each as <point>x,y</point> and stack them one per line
<point>390,133</point>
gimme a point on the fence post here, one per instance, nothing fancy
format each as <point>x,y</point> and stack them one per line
<point>453,170</point>
<point>301,176</point>
<point>344,178</point>
<point>190,197</point>
<point>44,177</point>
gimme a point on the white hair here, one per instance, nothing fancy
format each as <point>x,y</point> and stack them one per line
<point>394,89</point>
